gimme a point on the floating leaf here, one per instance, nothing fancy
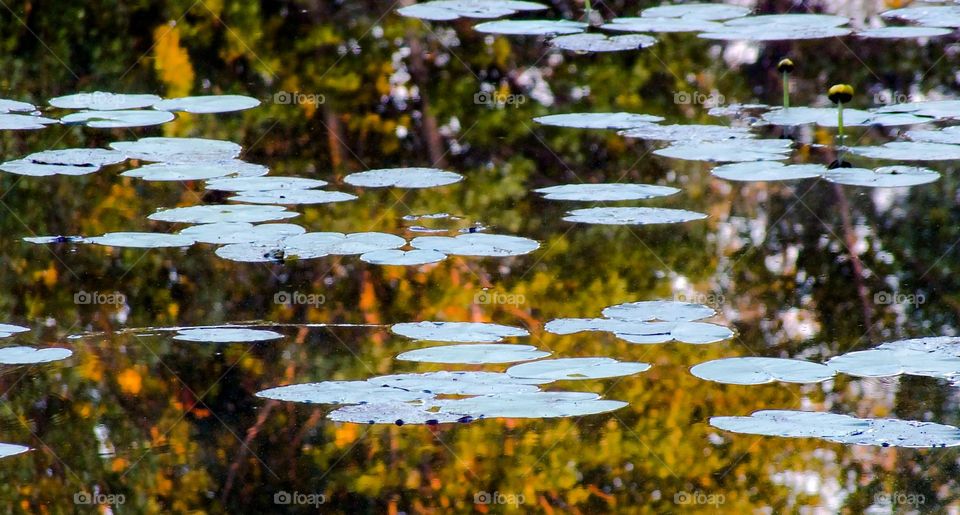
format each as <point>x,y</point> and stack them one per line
<point>15,106</point>
<point>70,161</point>
<point>827,117</point>
<point>569,369</point>
<point>731,151</point>
<point>477,244</point>
<point>459,383</point>
<point>30,355</point>
<point>910,151</point>
<point>631,216</point>
<point>696,11</point>
<point>117,119</point>
<point>662,310</point>
<point>178,150</point>
<point>606,192</point>
<point>141,240</point>
<point>225,335</point>
<point>241,232</point>
<point>104,101</point>
<point>757,370</point>
<point>696,333</point>
<point>23,122</point>
<point>340,392</point>
<point>662,25</point>
<point>465,332</point>
<point>933,16</point>
<point>398,413</point>
<point>403,257</point>
<point>474,354</point>
<point>947,135</point>
<point>687,132</point>
<point>593,42</point>
<point>293,196</point>
<point>9,449</point>
<point>768,171</point>
<point>531,27</point>
<point>932,357</point>
<point>318,244</point>
<point>598,120</point>
<point>260,184</point>
<point>531,405</point>
<point>886,177</point>
<point>781,27</point>
<point>43,240</point>
<point>446,10</point>
<point>9,329</point>
<point>222,213</point>
<point>903,32</point>
<point>181,172</point>
<point>403,178</point>
<point>207,104</point>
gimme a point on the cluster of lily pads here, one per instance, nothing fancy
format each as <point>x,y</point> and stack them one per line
<point>709,20</point>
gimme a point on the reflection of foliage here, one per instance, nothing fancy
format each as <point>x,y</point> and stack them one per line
<point>179,423</point>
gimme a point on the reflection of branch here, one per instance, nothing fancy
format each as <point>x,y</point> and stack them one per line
<point>851,241</point>
<point>244,449</point>
<point>418,71</point>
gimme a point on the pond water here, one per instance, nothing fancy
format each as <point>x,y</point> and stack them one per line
<point>479,256</point>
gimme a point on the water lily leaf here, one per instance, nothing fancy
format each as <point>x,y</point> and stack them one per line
<point>645,333</point>
<point>403,257</point>
<point>474,354</point>
<point>687,132</point>
<point>293,196</point>
<point>931,357</point>
<point>340,392</point>
<point>757,370</point>
<point>318,244</point>
<point>403,178</point>
<point>477,244</point>
<point>15,106</point>
<point>886,177</point>
<point>827,117</point>
<point>568,369</point>
<point>207,104</point>
<point>9,449</point>
<point>70,161</point>
<point>141,240</point>
<point>730,151</point>
<point>23,122</point>
<point>261,184</point>
<point>181,172</point>
<point>696,11</point>
<point>903,32</point>
<point>104,101</point>
<point>241,232</point>
<point>933,16</point>
<point>531,405</point>
<point>910,151</point>
<point>606,192</point>
<point>44,240</point>
<point>461,332</point>
<point>256,252</point>
<point>459,383</point>
<point>939,109</point>
<point>9,329</point>
<point>594,42</point>
<point>117,119</point>
<point>947,135</point>
<point>598,120</point>
<point>661,25</point>
<point>30,355</point>
<point>398,413</point>
<point>531,27</point>
<point>759,171</point>
<point>225,335</point>
<point>222,213</point>
<point>781,27</point>
<point>178,150</point>
<point>446,10</point>
<point>632,216</point>
<point>659,310</point>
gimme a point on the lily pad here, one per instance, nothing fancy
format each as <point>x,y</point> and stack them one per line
<point>15,106</point>
<point>207,104</point>
<point>70,161</point>
<point>759,171</point>
<point>631,216</point>
<point>531,27</point>
<point>459,383</point>
<point>757,370</point>
<point>827,117</point>
<point>696,11</point>
<point>261,184</point>
<point>340,392</point>
<point>10,329</point>
<point>403,178</point>
<point>474,354</point>
<point>687,132</point>
<point>648,333</point>
<point>661,25</point>
<point>569,369</point>
<point>940,109</point>
<point>933,16</point>
<point>593,42</point>
<point>477,244</point>
<point>30,355</point>
<point>403,257</point>
<point>730,151</point>
<point>222,213</point>
<point>23,122</point>
<point>117,119</point>
<point>9,449</point>
<point>606,192</point>
<point>339,244</point>
<point>104,101</point>
<point>461,332</point>
<point>531,405</point>
<point>241,232</point>
<point>910,151</point>
<point>886,177</point>
<point>178,150</point>
<point>141,240</point>
<point>781,27</point>
<point>225,335</point>
<point>931,357</point>
<point>662,310</point>
<point>947,135</point>
<point>398,413</point>
<point>179,172</point>
<point>598,120</point>
<point>447,10</point>
<point>292,197</point>
<point>903,32</point>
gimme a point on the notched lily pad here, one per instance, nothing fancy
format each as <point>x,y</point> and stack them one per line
<point>477,244</point>
<point>104,101</point>
<point>403,178</point>
<point>23,355</point>
<point>687,133</point>
<point>593,42</point>
<point>208,104</point>
<point>259,184</point>
<point>531,27</point>
<point>695,11</point>
<point>567,369</point>
<point>465,332</point>
<point>141,240</point>
<point>910,151</point>
<point>117,119</point>
<point>178,150</point>
<point>293,197</point>
<point>69,161</point>
<point>182,172</point>
<point>886,177</point>
<point>531,405</point>
<point>632,216</point>
<point>9,449</point>
<point>760,171</point>
<point>937,357</point>
<point>241,232</point>
<point>15,106</point>
<point>661,25</point>
<point>903,32</point>
<point>447,10</point>
<point>729,151</point>
<point>396,257</point>
<point>225,335</point>
<point>598,120</point>
<point>222,213</point>
<point>23,122</point>
<point>474,354</point>
<point>606,192</point>
<point>340,392</point>
<point>758,370</point>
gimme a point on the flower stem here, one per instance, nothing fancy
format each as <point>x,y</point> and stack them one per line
<point>786,91</point>
<point>840,136</point>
